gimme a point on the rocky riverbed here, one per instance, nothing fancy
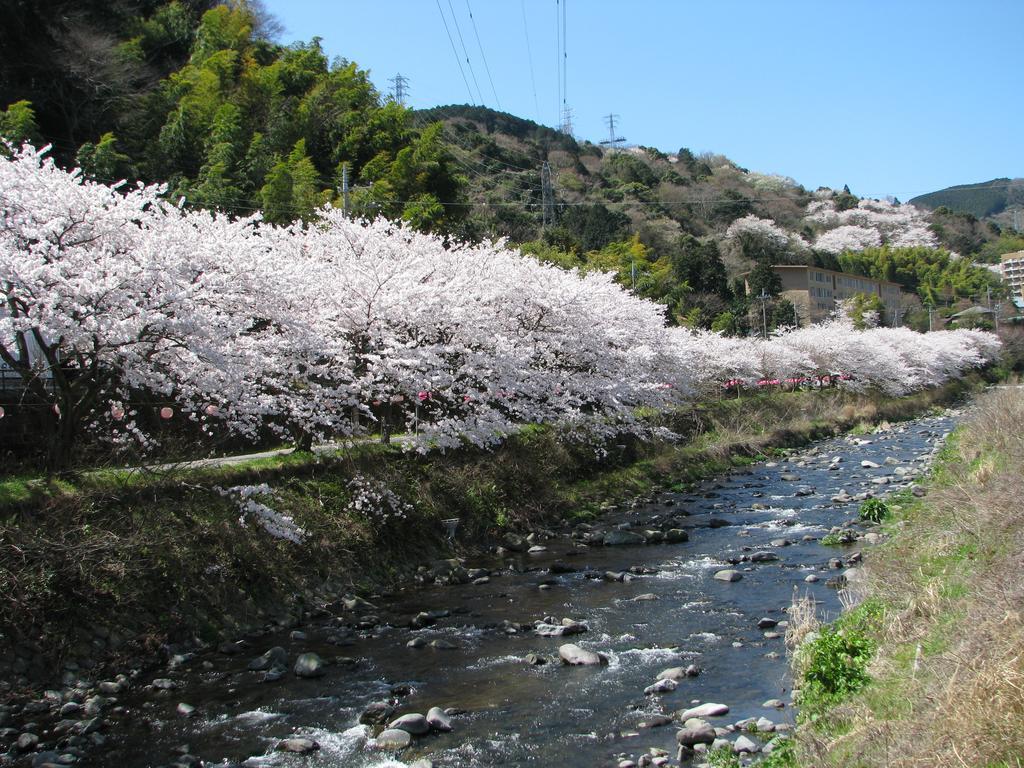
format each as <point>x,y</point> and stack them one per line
<point>643,638</point>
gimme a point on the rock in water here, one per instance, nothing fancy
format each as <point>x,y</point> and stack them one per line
<point>415,723</point>
<point>728,575</point>
<point>704,710</point>
<point>574,655</point>
<point>275,657</point>
<point>745,745</point>
<point>393,739</point>
<point>438,720</point>
<point>618,538</point>
<point>300,746</point>
<point>696,734</point>
<point>309,665</point>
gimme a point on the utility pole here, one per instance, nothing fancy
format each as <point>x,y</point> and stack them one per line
<point>401,83</point>
<point>547,196</point>
<point>632,273</point>
<point>344,188</point>
<point>931,316</point>
<point>613,141</point>
<point>764,312</point>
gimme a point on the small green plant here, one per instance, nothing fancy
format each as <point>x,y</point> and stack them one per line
<point>838,538</point>
<point>833,666</point>
<point>782,755</point>
<point>723,757</point>
<point>874,511</point>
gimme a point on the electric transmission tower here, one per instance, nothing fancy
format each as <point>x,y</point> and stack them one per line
<point>547,196</point>
<point>613,141</point>
<point>401,89</point>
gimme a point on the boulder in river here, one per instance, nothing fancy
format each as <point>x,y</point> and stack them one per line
<point>708,709</point>
<point>676,536</point>
<point>393,739</point>
<point>309,665</point>
<point>297,745</point>
<point>618,538</point>
<point>573,655</point>
<point>743,745</point>
<point>438,720</point>
<point>377,713</point>
<point>413,723</point>
<point>728,575</point>
<point>695,734</point>
<point>275,657</point>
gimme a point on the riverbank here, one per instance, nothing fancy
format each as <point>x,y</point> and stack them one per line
<point>927,670</point>
<point>103,572</point>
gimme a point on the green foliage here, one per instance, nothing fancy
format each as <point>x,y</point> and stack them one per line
<point>584,228</point>
<point>866,310</point>
<point>783,314</point>
<point>763,278</point>
<point>723,757</point>
<point>837,539</point>
<point>104,162</point>
<point>874,510</point>
<point>1008,242</point>
<point>933,273</point>
<point>698,263</point>
<point>18,123</point>
<point>833,666</point>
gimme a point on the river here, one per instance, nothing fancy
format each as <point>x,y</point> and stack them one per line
<point>672,612</point>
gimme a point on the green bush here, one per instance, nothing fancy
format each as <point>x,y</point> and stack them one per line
<point>874,511</point>
<point>833,666</point>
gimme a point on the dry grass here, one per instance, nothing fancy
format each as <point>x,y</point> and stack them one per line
<point>949,678</point>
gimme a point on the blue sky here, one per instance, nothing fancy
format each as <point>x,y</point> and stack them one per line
<point>891,97</point>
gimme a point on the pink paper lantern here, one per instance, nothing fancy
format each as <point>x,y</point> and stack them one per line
<point>116,412</point>
<point>166,412</point>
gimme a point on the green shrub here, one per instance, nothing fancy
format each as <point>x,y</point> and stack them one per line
<point>874,511</point>
<point>833,666</point>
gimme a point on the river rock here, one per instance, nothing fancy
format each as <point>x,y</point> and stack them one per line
<point>869,464</point>
<point>438,720</point>
<point>774,704</point>
<point>811,578</point>
<point>515,543</point>
<point>417,642</point>
<point>443,645</point>
<point>27,742</point>
<point>743,745</point>
<point>275,657</point>
<point>676,536</point>
<point>656,721</point>
<point>763,557</point>
<point>704,710</point>
<point>534,659</point>
<point>297,745</point>
<point>393,739</point>
<point>619,538</point>
<point>678,673</point>
<point>377,713</point>
<point>413,723</point>
<point>664,685</point>
<point>728,575</point>
<point>309,665</point>
<point>185,710</point>
<point>573,655</point>
<point>766,623</point>
<point>695,734</point>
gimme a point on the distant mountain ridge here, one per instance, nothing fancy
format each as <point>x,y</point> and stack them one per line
<point>984,199</point>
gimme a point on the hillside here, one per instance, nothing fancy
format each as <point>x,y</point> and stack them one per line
<point>984,199</point>
<point>232,121</point>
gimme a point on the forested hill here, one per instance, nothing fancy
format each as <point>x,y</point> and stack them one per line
<point>985,199</point>
<point>197,95</point>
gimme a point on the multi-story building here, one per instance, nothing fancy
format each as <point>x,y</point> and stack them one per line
<point>1012,268</point>
<point>815,291</point>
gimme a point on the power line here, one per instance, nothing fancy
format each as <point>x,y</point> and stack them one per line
<point>483,55</point>
<point>465,51</point>
<point>529,58</point>
<point>455,51</point>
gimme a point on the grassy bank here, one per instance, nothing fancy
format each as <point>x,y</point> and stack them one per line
<point>928,670</point>
<point>112,564</point>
